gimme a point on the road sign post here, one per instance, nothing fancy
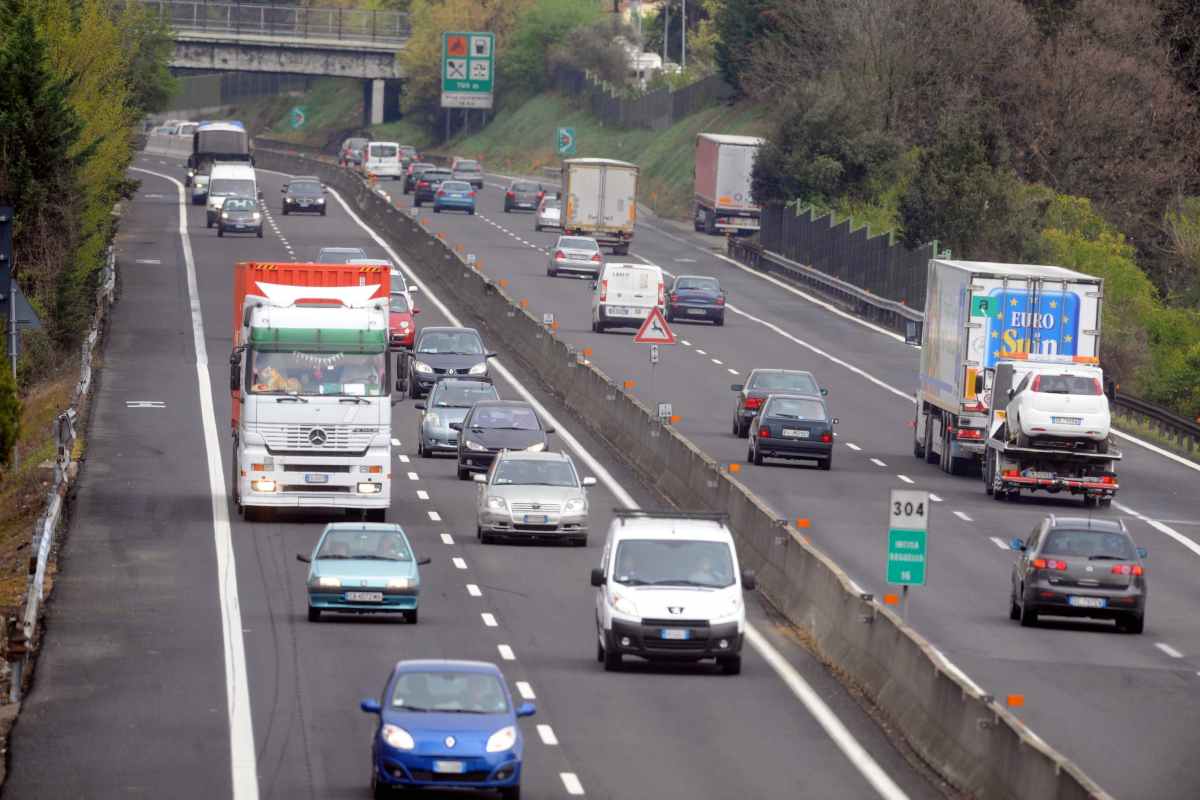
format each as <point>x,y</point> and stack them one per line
<point>468,69</point>
<point>908,527</point>
<point>564,142</point>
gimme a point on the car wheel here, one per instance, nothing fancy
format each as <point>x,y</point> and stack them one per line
<point>537,227</point>
<point>599,652</point>
<point>220,231</point>
<point>1105,502</point>
<point>437,210</point>
<point>730,665</point>
<point>552,272</point>
<point>1014,610</point>
<point>1029,616</point>
<point>580,541</point>
<point>827,463</point>
<point>720,321</point>
<point>744,429</point>
<point>208,223</point>
<point>750,455</point>
<point>1089,501</point>
<point>314,614</point>
<point>285,211</point>
<point>464,474</point>
<point>670,317</point>
<point>757,454</point>
<point>379,790</point>
<point>1132,623</point>
<point>416,202</point>
<point>930,456</point>
<point>260,231</point>
<point>479,533</point>
<point>411,617</point>
<point>511,792</point>
<point>322,212</point>
<point>736,427</point>
<point>613,661</point>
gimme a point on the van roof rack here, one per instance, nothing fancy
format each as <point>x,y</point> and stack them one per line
<point>626,513</point>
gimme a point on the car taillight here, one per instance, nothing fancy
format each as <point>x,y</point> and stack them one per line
<point>597,258</point>
<point>721,300</point>
<point>541,195</point>
<point>969,433</point>
<point>559,255</point>
<point>1010,473</point>
<point>764,432</point>
<point>423,185</point>
<point>662,292</point>
<point>440,193</point>
<point>1036,386</point>
<point>510,195</point>
<point>753,402</point>
<point>1126,569</point>
<point>603,291</point>
<point>1043,563</point>
<point>471,193</point>
<point>674,297</point>
<point>1099,389</point>
<point>1108,479</point>
<point>826,438</point>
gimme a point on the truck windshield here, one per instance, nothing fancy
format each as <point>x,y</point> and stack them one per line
<point>227,187</point>
<point>302,373</point>
<point>670,562</point>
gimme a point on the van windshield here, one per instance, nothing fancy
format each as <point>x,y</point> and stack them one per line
<point>228,187</point>
<point>383,151</point>
<point>670,562</point>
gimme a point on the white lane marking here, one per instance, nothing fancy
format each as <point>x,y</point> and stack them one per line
<point>459,562</point>
<point>506,652</point>
<point>547,734</point>
<point>996,540</point>
<point>571,783</point>
<point>859,757</point>
<point>1158,526</point>
<point>1166,648</point>
<point>243,759</point>
<point>950,666</point>
<point>934,498</point>
<point>718,362</point>
<point>700,352</point>
<point>963,516</point>
<point>403,458</point>
<point>435,516</point>
<point>412,476</point>
<point>905,478</point>
<point>147,261</point>
<point>395,442</point>
<point>1155,449</point>
<point>447,539</point>
<point>685,343</point>
<point>473,590</point>
<point>422,494</point>
<point>489,619</point>
<point>525,690</point>
<point>853,447</point>
<point>833,726</point>
<point>878,463</point>
<point>732,371</point>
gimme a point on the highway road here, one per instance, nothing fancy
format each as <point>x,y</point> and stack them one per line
<point>1120,705</point>
<point>179,661</point>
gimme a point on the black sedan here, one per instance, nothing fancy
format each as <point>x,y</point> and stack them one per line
<point>427,185</point>
<point>763,382</point>
<point>240,215</point>
<point>438,352</point>
<point>696,297</point>
<point>494,425</point>
<point>304,194</point>
<point>412,173</point>
<point>524,195</point>
<point>792,427</point>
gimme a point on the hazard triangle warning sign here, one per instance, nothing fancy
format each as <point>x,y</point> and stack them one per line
<point>654,330</point>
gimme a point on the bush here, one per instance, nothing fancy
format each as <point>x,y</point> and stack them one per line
<point>10,410</point>
<point>526,62</point>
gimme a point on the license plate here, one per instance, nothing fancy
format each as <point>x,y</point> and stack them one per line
<point>364,597</point>
<point>449,767</point>
<point>1067,420</point>
<point>537,518</point>
<point>314,477</point>
<point>304,202</point>
<point>1044,476</point>
<point>678,634</point>
<point>699,312</point>
<point>1088,602</point>
<point>794,433</point>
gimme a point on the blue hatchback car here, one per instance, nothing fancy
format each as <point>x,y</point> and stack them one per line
<point>447,724</point>
<point>454,196</point>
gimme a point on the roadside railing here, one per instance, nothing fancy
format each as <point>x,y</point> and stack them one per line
<point>23,630</point>
<point>1184,434</point>
<point>347,24</point>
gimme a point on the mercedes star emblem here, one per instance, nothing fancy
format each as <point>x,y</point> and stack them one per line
<point>451,741</point>
<point>318,436</point>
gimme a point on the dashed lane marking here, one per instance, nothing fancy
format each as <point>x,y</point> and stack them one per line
<point>447,539</point>
<point>853,446</point>
<point>506,652</point>
<point>459,562</point>
<point>412,476</point>
<point>996,540</point>
<point>403,458</point>
<point>489,619</point>
<point>525,690</point>
<point>934,498</point>
<point>473,590</point>
<point>435,516</point>
<point>963,516</point>
<point>571,783</point>
<point>547,734</point>
<point>1166,648</point>
<point>422,494</point>
<point>878,463</point>
<point>905,478</point>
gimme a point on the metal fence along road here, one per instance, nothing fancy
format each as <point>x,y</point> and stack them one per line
<point>255,19</point>
<point>655,110</point>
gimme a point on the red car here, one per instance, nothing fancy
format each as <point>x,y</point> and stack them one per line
<point>401,327</point>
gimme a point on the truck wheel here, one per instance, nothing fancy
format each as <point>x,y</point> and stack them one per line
<point>918,444</point>
<point>989,472</point>
<point>710,222</point>
<point>1105,502</point>
<point>1089,501</point>
<point>930,456</point>
<point>698,219</point>
<point>1102,446</point>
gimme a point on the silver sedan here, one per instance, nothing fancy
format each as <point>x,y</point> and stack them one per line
<point>576,255</point>
<point>548,214</point>
<point>533,496</point>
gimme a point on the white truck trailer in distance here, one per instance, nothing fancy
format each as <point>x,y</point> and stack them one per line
<point>723,169</point>
<point>600,201</point>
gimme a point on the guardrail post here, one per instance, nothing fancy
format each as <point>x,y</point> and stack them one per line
<point>339,22</point>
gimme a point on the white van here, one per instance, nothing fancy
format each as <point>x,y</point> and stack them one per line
<point>668,588</point>
<point>228,180</point>
<point>624,294</point>
<point>382,159</point>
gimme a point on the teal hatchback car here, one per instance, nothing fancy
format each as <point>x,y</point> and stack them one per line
<point>363,568</point>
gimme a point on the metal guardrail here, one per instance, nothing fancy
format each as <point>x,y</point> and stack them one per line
<point>909,322</point>
<point>22,633</point>
<point>244,19</point>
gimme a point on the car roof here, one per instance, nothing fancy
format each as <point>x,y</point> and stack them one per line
<point>526,455</point>
<point>447,329</point>
<point>341,249</point>
<point>668,527</point>
<point>1085,523</point>
<point>503,404</point>
<point>611,265</point>
<point>299,178</point>
<point>231,168</point>
<point>447,665</point>
<point>701,277</point>
<point>793,395</point>
<point>363,526</point>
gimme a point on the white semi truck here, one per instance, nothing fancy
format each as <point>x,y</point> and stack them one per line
<point>724,166</point>
<point>310,380</point>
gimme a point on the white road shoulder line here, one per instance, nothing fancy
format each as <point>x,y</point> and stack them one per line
<point>1166,648</point>
<point>1158,526</point>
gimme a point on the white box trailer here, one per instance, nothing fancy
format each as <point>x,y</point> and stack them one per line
<point>724,167</point>
<point>976,312</point>
<point>600,200</point>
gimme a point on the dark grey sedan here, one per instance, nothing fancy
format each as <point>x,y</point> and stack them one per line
<point>412,174</point>
<point>468,170</point>
<point>438,352</point>
<point>448,403</point>
<point>763,382</point>
<point>792,427</point>
<point>697,297</point>
<point>304,194</point>
<point>524,195</point>
<point>1079,567</point>
<point>240,215</point>
<point>495,425</point>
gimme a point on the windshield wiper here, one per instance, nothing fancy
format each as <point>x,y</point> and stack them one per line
<point>412,708</point>
<point>355,400</point>
<point>1106,558</point>
<point>323,557</point>
<point>460,711</point>
<point>378,558</point>
<point>291,398</point>
<point>632,582</point>
<point>785,416</point>
<point>685,583</point>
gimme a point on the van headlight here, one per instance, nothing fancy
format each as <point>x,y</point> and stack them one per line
<point>476,446</point>
<point>624,604</point>
<point>257,216</point>
<point>732,607</point>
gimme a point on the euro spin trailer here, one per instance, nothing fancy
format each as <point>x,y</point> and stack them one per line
<point>975,312</point>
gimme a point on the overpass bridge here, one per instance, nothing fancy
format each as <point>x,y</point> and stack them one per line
<point>291,39</point>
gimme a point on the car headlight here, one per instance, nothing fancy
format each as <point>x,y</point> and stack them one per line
<point>257,216</point>
<point>320,201</point>
<point>329,583</point>
<point>432,419</point>
<point>497,504</point>
<point>624,604</point>
<point>479,369</point>
<point>503,739</point>
<point>536,448</point>
<point>575,505</point>
<point>224,215</point>
<point>397,737</point>
<point>474,445</point>
<point>730,608</point>
<point>191,173</point>
<point>403,325</point>
<point>422,367</point>
<point>400,583</point>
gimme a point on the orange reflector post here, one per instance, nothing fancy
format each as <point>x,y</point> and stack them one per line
<point>735,467</point>
<point>524,303</point>
<point>675,418</point>
<point>1015,701</point>
<point>890,599</point>
<point>587,352</point>
<point>630,384</point>
<point>458,248</point>
<point>441,235</point>
<point>803,522</point>
<point>554,325</point>
<point>479,265</point>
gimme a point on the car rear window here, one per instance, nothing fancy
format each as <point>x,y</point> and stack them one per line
<point>456,186</point>
<point>468,166</point>
<point>551,202</point>
<point>383,151</point>
<point>795,408</point>
<point>1066,384</point>
<point>698,283</point>
<point>526,187</point>
<point>784,381</point>
<point>1087,544</point>
<point>578,243</point>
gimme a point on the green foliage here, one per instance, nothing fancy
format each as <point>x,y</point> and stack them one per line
<point>739,24</point>
<point>10,412</point>
<point>146,39</point>
<point>1183,230</point>
<point>525,63</point>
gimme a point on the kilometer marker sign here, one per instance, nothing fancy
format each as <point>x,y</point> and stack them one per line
<point>908,522</point>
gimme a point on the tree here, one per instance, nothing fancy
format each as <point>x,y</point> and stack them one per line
<point>526,62</point>
<point>739,24</point>
<point>10,414</point>
<point>146,39</point>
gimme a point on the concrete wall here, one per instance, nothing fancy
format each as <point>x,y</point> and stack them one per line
<point>975,743</point>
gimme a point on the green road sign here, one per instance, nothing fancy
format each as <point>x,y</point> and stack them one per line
<point>981,306</point>
<point>296,117</point>
<point>564,141</point>
<point>468,69</point>
<point>906,558</point>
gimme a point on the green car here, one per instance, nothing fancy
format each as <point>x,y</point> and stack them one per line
<point>363,568</point>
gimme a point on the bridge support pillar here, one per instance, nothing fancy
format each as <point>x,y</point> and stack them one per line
<point>375,102</point>
<point>381,101</point>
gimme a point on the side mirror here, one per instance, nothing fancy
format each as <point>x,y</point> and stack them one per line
<point>550,430</point>
<point>370,705</point>
<point>416,311</point>
<point>526,710</point>
<point>283,190</point>
<point>597,576</point>
<point>1142,552</point>
<point>835,420</point>
<point>419,406</point>
<point>423,561</point>
<point>479,477</point>
<point>824,393</point>
<point>456,426</point>
<point>589,481</point>
<point>490,355</point>
<point>737,387</point>
<point>303,559</point>
<point>413,290</point>
<point>979,384</point>
<point>749,582</point>
<point>1011,392</point>
<point>1018,545</point>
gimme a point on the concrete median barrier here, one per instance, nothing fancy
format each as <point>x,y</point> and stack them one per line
<point>970,739</point>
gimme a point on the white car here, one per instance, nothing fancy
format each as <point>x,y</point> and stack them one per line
<point>668,588</point>
<point>548,214</point>
<point>533,496</point>
<point>1060,403</point>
